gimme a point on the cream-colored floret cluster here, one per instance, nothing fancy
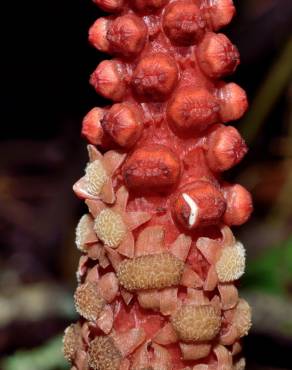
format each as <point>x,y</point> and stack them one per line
<point>242,318</point>
<point>95,177</point>
<point>231,264</point>
<point>88,301</point>
<point>196,323</point>
<point>154,271</point>
<point>71,341</point>
<point>81,231</point>
<point>103,354</point>
<point>110,227</point>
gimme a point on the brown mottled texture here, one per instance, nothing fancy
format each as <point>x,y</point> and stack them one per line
<point>196,323</point>
<point>155,271</point>
<point>159,265</point>
<point>103,354</point>
<point>88,301</point>
<point>72,341</point>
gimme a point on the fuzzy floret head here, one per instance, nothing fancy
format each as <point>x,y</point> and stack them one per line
<point>95,177</point>
<point>231,264</point>
<point>84,224</point>
<point>110,227</point>
<point>196,323</point>
<point>71,341</point>
<point>88,301</point>
<point>103,354</point>
<point>242,318</point>
<point>156,271</point>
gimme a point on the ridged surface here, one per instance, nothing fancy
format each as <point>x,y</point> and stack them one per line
<point>157,275</point>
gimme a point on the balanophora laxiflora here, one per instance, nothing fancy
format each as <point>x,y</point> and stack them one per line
<point>159,262</point>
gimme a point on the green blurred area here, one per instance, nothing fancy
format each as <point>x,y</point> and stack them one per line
<point>38,211</point>
<point>47,357</point>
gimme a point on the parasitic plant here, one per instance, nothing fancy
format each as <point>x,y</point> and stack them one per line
<point>159,265</point>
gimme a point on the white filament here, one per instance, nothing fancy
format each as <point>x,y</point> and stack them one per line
<point>194,209</point>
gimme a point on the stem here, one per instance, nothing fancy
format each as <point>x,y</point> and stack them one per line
<point>268,94</point>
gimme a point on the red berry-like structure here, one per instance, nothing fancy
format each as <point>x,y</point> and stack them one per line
<point>159,266</point>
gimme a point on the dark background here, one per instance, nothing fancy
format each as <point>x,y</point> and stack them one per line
<point>45,62</point>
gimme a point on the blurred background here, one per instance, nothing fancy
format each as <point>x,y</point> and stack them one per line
<point>45,65</point>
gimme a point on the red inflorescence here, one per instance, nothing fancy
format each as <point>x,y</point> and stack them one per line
<point>157,276</point>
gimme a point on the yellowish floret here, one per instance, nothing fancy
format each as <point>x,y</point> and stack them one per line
<point>71,341</point>
<point>103,354</point>
<point>95,177</point>
<point>196,323</point>
<point>88,301</point>
<point>82,230</point>
<point>155,271</point>
<point>242,317</point>
<point>110,227</point>
<point>231,264</point>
